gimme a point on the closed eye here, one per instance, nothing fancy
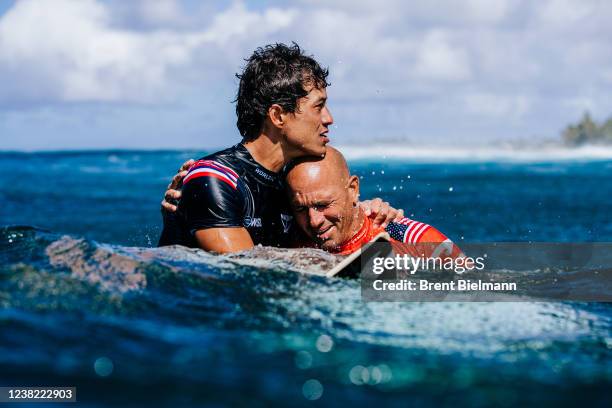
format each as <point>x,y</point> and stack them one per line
<point>322,205</point>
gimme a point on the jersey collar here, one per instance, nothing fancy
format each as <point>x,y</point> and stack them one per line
<point>363,236</point>
<point>260,171</point>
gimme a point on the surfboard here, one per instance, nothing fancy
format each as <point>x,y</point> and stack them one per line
<point>350,267</point>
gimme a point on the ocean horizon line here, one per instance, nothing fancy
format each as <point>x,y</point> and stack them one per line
<point>431,153</point>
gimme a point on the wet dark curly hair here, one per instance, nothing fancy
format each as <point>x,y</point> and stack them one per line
<point>274,74</point>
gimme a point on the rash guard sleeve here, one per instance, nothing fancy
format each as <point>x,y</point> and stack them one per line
<point>172,233</point>
<point>211,198</point>
<point>427,239</point>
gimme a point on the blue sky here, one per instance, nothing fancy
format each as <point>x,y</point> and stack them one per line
<point>80,74</point>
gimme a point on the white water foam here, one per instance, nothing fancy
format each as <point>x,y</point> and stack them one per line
<point>469,154</point>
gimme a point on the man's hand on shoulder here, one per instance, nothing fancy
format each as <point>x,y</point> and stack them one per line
<point>173,191</point>
<point>380,212</point>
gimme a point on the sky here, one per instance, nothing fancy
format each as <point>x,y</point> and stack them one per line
<point>156,74</point>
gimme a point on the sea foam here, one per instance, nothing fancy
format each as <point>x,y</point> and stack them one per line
<point>469,154</point>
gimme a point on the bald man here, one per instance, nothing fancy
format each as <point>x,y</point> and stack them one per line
<point>324,196</point>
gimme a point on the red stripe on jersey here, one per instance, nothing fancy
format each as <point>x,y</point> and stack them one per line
<point>228,169</point>
<point>205,173</point>
<point>214,165</point>
<point>413,229</point>
<point>419,234</point>
<point>404,221</point>
<point>221,167</point>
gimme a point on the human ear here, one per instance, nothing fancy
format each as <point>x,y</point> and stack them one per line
<point>276,115</point>
<point>353,189</point>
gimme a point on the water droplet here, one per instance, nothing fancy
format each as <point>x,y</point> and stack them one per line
<point>324,343</point>
<point>355,374</point>
<point>312,390</point>
<point>365,375</point>
<point>387,375</point>
<point>376,375</point>
<point>303,360</point>
<point>103,366</point>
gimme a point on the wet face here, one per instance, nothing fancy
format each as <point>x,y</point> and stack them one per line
<point>306,129</point>
<point>324,207</point>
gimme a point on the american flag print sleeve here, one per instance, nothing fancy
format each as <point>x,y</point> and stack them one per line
<point>422,238</point>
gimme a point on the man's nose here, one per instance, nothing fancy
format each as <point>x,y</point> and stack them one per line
<point>327,117</point>
<point>315,218</point>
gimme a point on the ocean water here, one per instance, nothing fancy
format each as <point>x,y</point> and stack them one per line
<point>87,301</point>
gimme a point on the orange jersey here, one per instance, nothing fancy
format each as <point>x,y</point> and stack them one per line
<point>408,236</point>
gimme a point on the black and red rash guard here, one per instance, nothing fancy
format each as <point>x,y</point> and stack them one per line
<point>230,189</point>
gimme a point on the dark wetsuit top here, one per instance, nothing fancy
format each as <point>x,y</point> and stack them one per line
<point>230,189</point>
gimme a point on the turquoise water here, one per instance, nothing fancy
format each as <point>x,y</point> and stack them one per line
<point>86,301</point>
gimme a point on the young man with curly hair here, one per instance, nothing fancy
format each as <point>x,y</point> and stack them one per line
<point>235,198</point>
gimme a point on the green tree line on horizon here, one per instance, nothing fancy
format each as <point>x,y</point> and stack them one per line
<point>587,131</point>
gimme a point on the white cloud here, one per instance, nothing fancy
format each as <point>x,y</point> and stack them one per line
<point>72,49</point>
<point>438,59</point>
<point>511,62</point>
<point>606,75</point>
<point>564,13</point>
<point>160,12</point>
<point>486,10</point>
<point>581,104</point>
<point>496,105</point>
<point>430,12</point>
